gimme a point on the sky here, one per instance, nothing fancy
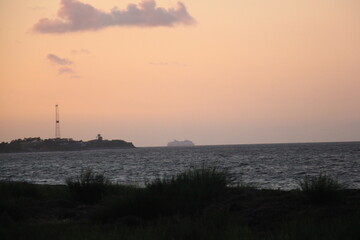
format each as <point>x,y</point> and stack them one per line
<point>151,71</point>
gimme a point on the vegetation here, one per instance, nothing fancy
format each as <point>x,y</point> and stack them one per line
<point>197,204</point>
<point>186,194</point>
<point>88,187</point>
<point>190,192</point>
<point>37,144</point>
<point>321,188</point>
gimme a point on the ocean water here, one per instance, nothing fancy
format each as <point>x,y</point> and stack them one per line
<point>274,166</point>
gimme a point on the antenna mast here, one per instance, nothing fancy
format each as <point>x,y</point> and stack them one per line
<point>57,122</point>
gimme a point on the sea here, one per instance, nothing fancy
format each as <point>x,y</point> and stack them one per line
<point>267,166</point>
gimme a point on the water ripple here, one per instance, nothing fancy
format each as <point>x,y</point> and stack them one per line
<point>266,166</point>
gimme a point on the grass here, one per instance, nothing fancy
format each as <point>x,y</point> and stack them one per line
<point>18,200</point>
<point>17,190</point>
<point>177,228</point>
<point>187,194</point>
<point>321,188</point>
<point>191,191</point>
<point>196,204</point>
<point>88,187</point>
<point>316,227</point>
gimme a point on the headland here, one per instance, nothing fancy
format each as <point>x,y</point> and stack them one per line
<point>36,144</point>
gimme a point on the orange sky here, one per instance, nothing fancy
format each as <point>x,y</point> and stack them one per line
<point>249,71</point>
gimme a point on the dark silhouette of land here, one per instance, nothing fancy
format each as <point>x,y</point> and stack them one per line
<point>197,204</point>
<point>37,144</point>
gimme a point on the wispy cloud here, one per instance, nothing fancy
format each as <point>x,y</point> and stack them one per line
<point>65,70</point>
<point>38,8</point>
<point>80,51</point>
<point>168,64</point>
<point>63,64</point>
<point>74,16</point>
<point>58,60</point>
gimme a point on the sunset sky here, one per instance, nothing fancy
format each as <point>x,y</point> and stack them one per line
<point>149,72</point>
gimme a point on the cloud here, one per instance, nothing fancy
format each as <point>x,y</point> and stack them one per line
<point>65,70</point>
<point>63,63</point>
<point>74,16</point>
<point>80,51</point>
<point>38,8</point>
<point>167,64</point>
<point>58,60</point>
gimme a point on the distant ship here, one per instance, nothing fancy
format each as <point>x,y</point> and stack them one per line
<point>185,143</point>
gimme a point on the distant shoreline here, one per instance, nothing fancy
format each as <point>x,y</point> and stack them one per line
<point>161,146</point>
<point>60,145</point>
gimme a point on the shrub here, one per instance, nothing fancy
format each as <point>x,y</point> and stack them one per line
<point>321,188</point>
<point>190,192</point>
<point>185,194</point>
<point>88,187</point>
<point>207,182</point>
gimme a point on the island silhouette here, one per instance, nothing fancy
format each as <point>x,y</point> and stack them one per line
<point>36,144</point>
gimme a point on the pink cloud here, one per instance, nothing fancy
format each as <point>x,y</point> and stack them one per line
<point>58,60</point>
<point>65,70</point>
<point>74,16</point>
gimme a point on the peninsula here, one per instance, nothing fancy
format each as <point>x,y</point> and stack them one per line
<point>37,144</point>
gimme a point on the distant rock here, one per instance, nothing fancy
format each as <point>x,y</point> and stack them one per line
<point>185,143</point>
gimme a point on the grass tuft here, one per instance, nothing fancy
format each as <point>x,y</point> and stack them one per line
<point>88,187</point>
<point>191,191</point>
<point>320,189</point>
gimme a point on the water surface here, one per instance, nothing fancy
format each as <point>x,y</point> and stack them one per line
<point>264,165</point>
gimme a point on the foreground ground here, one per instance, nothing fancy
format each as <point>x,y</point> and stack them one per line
<point>176,210</point>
